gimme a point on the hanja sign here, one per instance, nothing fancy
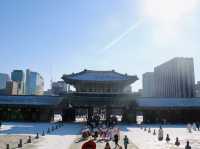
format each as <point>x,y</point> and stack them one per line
<point>139,119</point>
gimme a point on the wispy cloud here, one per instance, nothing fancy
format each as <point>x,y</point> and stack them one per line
<point>121,36</point>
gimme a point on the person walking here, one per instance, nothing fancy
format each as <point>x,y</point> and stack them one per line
<point>107,146</point>
<point>126,142</point>
<point>160,134</point>
<point>116,139</point>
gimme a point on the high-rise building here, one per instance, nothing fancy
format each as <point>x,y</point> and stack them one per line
<point>19,77</point>
<point>12,88</point>
<point>59,87</point>
<point>3,79</point>
<point>148,84</point>
<point>34,83</point>
<point>175,78</point>
<point>197,89</point>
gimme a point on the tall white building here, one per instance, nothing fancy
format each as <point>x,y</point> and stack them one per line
<point>148,84</point>
<point>19,77</point>
<point>197,89</point>
<point>3,79</point>
<point>175,78</point>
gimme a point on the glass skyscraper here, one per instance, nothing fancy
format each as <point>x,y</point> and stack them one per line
<point>19,77</point>
<point>3,79</point>
<point>34,83</point>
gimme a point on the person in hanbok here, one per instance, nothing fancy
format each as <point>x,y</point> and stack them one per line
<point>108,135</point>
<point>85,132</point>
<point>102,133</point>
<point>89,145</point>
<point>194,126</point>
<point>160,134</point>
<point>189,127</point>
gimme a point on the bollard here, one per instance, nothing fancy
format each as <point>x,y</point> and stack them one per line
<point>29,139</point>
<point>154,132</point>
<point>149,131</point>
<point>177,143</point>
<point>20,144</point>
<point>43,134</point>
<point>37,136</point>
<point>7,146</point>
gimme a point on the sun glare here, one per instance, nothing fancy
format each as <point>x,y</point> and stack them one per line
<point>168,17</point>
<point>168,10</point>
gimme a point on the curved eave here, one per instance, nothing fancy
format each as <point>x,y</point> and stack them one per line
<point>129,80</point>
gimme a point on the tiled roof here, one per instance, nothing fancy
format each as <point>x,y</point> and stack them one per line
<point>90,75</point>
<point>168,102</point>
<point>30,100</point>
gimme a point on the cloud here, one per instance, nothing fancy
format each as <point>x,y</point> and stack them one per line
<point>120,37</point>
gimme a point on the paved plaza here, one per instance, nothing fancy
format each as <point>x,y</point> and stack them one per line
<point>67,136</point>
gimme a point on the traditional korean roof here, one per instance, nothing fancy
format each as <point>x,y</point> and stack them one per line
<point>30,100</point>
<point>91,75</point>
<point>168,102</point>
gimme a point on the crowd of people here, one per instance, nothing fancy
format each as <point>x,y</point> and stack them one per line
<point>193,126</point>
<point>102,133</point>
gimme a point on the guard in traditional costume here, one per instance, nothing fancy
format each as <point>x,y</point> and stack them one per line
<point>89,145</point>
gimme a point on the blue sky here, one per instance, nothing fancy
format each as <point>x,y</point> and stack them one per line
<point>55,37</point>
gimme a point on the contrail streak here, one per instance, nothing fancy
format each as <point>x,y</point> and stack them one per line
<point>120,37</point>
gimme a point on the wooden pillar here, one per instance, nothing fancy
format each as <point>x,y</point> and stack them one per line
<point>129,115</point>
<point>90,112</point>
<point>108,112</point>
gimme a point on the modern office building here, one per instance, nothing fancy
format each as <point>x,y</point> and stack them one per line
<point>148,84</point>
<point>59,87</point>
<point>3,79</point>
<point>34,83</point>
<point>12,88</point>
<point>175,78</point>
<point>197,89</point>
<point>19,77</point>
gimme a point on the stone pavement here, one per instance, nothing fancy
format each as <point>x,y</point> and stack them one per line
<point>101,145</point>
